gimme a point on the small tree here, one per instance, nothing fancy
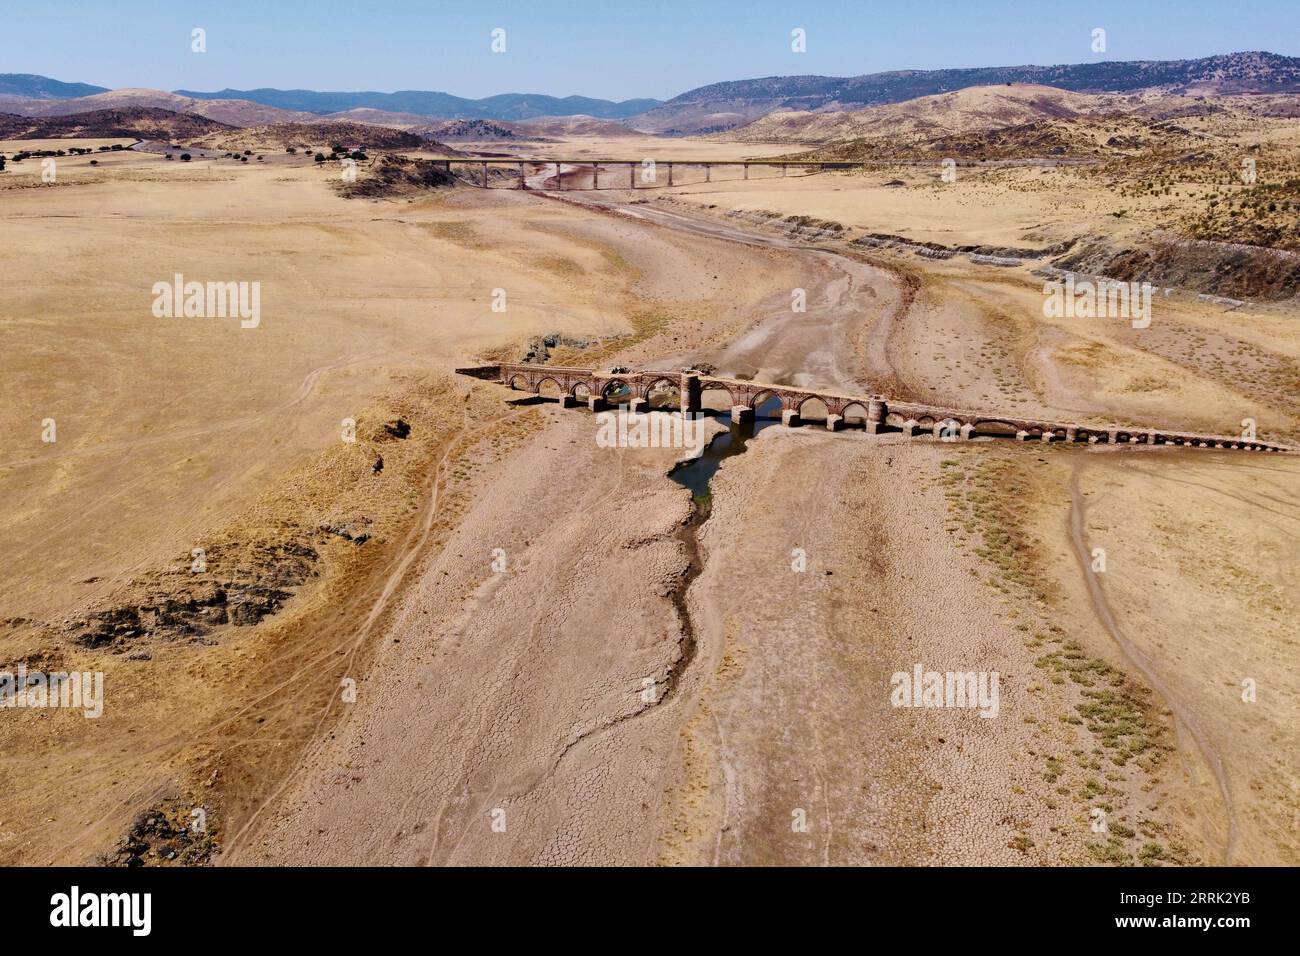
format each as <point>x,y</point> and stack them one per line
<point>320,157</point>
<point>2,163</point>
<point>185,157</point>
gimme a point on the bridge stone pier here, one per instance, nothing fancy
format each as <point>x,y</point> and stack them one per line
<point>684,389</point>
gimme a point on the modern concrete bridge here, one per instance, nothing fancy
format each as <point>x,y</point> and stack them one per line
<point>683,390</point>
<point>614,167</point>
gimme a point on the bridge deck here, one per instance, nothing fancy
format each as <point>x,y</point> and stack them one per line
<point>878,410</point>
<point>548,161</point>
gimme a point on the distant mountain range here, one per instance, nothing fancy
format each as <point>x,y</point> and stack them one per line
<point>712,108</point>
<point>723,105</point>
<point>44,88</point>
<point>505,106</point>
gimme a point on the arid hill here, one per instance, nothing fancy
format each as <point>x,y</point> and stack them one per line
<point>140,123</point>
<point>976,108</point>
<point>227,112</point>
<point>574,126</point>
<point>471,129</point>
<point>317,135</point>
<point>373,117</point>
<point>394,175</point>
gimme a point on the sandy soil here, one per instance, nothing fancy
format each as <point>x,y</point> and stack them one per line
<point>518,697</point>
<point>797,713</point>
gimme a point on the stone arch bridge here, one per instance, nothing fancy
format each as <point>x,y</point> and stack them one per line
<point>683,389</point>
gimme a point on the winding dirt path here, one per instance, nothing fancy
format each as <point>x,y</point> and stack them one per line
<point>1101,607</point>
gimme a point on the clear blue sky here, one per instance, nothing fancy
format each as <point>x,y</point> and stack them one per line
<point>614,49</point>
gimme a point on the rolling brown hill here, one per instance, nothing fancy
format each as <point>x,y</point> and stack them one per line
<point>321,136</point>
<point>574,126</point>
<point>134,123</point>
<point>472,129</point>
<point>372,117</point>
<point>975,108</point>
<point>227,112</point>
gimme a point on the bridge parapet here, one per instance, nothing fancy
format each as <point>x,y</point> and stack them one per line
<point>635,387</point>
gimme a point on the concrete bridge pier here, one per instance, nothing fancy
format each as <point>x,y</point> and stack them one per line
<point>1072,434</point>
<point>790,417</point>
<point>631,175</point>
<point>741,413</point>
<point>1022,435</point>
<point>708,173</point>
<point>910,426</point>
<point>966,431</point>
<point>1046,437</point>
<point>637,406</point>
<point>559,176</point>
<point>596,403</point>
<point>670,174</point>
<point>595,175</point>
<point>746,170</point>
<point>568,401</point>
<point>834,422</point>
<point>523,180</point>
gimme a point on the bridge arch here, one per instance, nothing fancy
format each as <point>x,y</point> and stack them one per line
<point>519,382</point>
<point>554,382</point>
<point>616,390</point>
<point>995,426</point>
<point>652,388</point>
<point>853,413</point>
<point>706,387</point>
<point>811,407</point>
